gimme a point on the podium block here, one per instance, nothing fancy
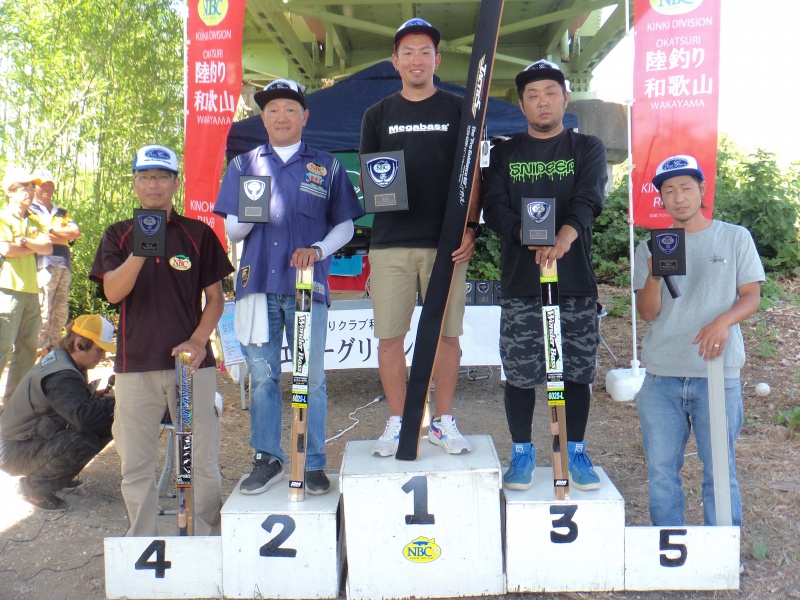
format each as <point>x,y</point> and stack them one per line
<point>163,567</point>
<point>429,528</point>
<point>682,558</point>
<point>275,548</point>
<point>564,545</point>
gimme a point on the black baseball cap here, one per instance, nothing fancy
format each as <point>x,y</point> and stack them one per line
<point>281,88</point>
<point>417,26</point>
<point>541,69</point>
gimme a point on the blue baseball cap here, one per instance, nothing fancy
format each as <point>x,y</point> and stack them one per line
<point>675,166</point>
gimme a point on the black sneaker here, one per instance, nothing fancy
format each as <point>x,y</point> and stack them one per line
<point>47,503</point>
<point>266,471</point>
<point>317,482</point>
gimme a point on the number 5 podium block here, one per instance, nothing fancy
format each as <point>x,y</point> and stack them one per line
<point>430,528</point>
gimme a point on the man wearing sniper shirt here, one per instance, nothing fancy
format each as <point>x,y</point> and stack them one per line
<point>311,210</point>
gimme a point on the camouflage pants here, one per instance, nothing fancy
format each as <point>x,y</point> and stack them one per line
<point>54,285</point>
<point>50,464</point>
<point>522,346</point>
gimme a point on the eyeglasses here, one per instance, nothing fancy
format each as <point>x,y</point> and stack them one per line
<point>161,178</point>
<point>20,186</point>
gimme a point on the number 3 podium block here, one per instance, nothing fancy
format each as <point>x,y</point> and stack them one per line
<point>565,545</point>
<point>428,528</point>
<point>275,548</point>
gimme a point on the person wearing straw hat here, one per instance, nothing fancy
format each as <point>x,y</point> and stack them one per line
<point>55,270</point>
<point>21,238</point>
<point>721,288</point>
<point>55,422</point>
<point>546,161</point>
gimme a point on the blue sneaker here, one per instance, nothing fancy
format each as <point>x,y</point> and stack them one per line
<point>520,473</point>
<point>581,472</point>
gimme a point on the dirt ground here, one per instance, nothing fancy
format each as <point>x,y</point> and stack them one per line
<point>60,557</point>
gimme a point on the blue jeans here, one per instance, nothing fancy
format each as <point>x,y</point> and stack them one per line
<point>264,365</point>
<point>668,408</point>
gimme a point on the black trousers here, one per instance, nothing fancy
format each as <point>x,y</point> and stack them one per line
<point>50,464</point>
<point>520,402</point>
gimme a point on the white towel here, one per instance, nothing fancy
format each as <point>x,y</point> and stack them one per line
<point>250,321</point>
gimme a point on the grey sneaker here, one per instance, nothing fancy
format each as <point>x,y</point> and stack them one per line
<point>317,482</point>
<point>267,470</point>
<point>386,445</point>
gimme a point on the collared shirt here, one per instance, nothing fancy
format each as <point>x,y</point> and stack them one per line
<point>18,274</point>
<point>55,217</point>
<point>164,307</point>
<point>309,195</point>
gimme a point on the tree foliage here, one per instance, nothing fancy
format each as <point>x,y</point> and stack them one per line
<point>83,85</point>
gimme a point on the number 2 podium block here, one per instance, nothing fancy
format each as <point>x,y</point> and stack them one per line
<point>275,548</point>
<point>428,528</point>
<point>565,545</point>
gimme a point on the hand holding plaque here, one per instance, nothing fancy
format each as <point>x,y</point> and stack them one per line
<point>149,232</point>
<point>668,247</point>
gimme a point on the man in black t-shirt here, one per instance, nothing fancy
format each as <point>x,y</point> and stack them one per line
<point>546,161</point>
<point>423,121</point>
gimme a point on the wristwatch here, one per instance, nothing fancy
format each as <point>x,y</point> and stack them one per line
<point>476,227</point>
<point>23,242</point>
<point>318,250</point>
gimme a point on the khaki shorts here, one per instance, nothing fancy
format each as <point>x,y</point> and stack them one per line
<point>394,276</point>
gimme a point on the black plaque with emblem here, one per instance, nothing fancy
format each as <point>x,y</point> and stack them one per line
<point>254,195</point>
<point>383,181</point>
<point>538,222</point>
<point>149,232</point>
<point>668,247</point>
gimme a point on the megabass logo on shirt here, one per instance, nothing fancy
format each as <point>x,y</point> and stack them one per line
<point>419,127</point>
<point>537,170</point>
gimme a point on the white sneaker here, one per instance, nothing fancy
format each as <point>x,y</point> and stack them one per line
<point>386,445</point>
<point>444,433</point>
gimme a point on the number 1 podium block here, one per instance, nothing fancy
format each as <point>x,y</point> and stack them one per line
<point>428,528</point>
<point>565,545</point>
<point>275,548</point>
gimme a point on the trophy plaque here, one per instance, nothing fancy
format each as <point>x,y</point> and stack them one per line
<point>149,232</point>
<point>254,195</point>
<point>668,247</point>
<point>538,222</point>
<point>383,181</point>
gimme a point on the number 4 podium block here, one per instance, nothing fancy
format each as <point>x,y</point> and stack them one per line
<point>565,545</point>
<point>428,528</point>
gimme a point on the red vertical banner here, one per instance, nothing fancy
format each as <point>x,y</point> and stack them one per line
<point>676,96</point>
<point>213,87</point>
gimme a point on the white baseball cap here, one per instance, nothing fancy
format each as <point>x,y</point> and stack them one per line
<point>675,166</point>
<point>155,157</point>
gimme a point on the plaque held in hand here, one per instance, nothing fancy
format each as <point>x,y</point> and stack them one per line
<point>254,196</point>
<point>383,180</point>
<point>538,222</point>
<point>149,232</point>
<point>668,247</point>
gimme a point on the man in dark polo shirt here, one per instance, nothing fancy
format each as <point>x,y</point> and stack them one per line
<point>161,314</point>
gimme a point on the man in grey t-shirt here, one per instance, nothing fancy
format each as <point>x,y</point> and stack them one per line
<point>722,287</point>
